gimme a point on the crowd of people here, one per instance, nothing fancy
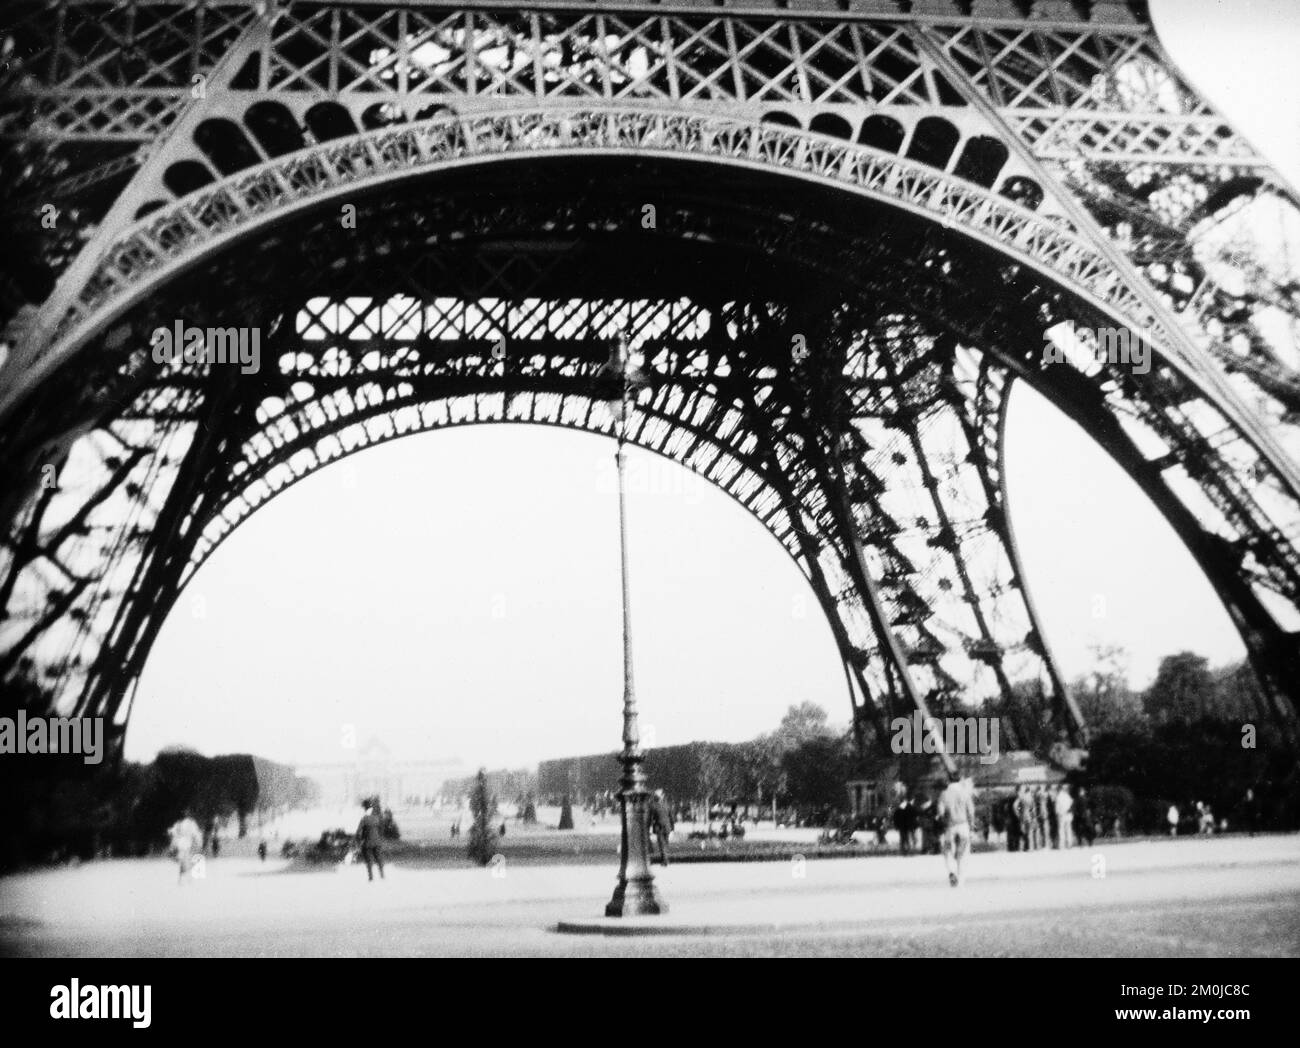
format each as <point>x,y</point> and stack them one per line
<point>1032,818</point>
<point>1057,816</point>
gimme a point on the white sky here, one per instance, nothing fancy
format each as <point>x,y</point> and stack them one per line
<point>456,594</point>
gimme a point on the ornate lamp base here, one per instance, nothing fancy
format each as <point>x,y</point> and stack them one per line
<point>632,898</point>
<point>635,893</point>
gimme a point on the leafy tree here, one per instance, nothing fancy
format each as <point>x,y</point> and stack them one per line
<point>1181,763</point>
<point>1237,696</point>
<point>817,770</point>
<point>749,770</point>
<point>1024,716</point>
<point>801,723</point>
<point>1182,691</point>
<point>712,776</point>
<point>1104,697</point>
<point>482,835</point>
<point>766,761</point>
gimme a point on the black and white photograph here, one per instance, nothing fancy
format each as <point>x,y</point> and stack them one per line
<point>659,479</point>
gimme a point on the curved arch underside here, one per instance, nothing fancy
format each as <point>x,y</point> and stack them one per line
<point>837,364</point>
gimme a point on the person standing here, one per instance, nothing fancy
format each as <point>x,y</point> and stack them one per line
<point>1065,817</point>
<point>1040,817</point>
<point>661,823</point>
<point>1011,819</point>
<point>927,815</point>
<point>1083,825</point>
<point>1024,808</point>
<point>186,841</point>
<point>1172,818</point>
<point>955,813</point>
<point>900,824</point>
<point>370,838</point>
<point>1250,812</point>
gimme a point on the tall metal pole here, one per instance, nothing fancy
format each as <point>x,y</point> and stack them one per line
<point>635,892</point>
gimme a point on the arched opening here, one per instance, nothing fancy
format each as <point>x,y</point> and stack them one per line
<point>223,143</point>
<point>382,114</point>
<point>471,621</point>
<point>329,120</point>
<point>186,176</point>
<point>933,141</point>
<point>883,133</point>
<point>1024,191</point>
<point>831,124</point>
<point>274,128</point>
<point>429,112</point>
<point>783,119</point>
<point>831,198</point>
<point>981,160</point>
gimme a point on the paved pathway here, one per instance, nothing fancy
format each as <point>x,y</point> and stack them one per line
<point>1215,897</point>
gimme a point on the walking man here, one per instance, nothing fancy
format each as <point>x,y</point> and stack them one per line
<point>956,814</point>
<point>370,836</point>
<point>661,822</point>
<point>186,840</point>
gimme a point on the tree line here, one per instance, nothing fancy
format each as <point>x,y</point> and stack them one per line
<point>1197,733</point>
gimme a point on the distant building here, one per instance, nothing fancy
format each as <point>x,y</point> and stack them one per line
<point>505,784</point>
<point>374,772</point>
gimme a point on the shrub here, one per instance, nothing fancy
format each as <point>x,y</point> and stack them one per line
<point>482,837</point>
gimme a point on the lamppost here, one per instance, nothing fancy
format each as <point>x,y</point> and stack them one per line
<point>619,381</point>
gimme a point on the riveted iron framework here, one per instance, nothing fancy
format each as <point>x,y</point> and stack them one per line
<point>868,217</point>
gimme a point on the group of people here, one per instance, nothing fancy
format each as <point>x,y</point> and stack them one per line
<point>946,822</point>
<point>1201,817</point>
<point>1038,817</point>
<point>920,824</point>
<point>1056,816</point>
<point>1032,818</point>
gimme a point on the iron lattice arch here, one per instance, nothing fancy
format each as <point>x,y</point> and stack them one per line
<point>914,197</point>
